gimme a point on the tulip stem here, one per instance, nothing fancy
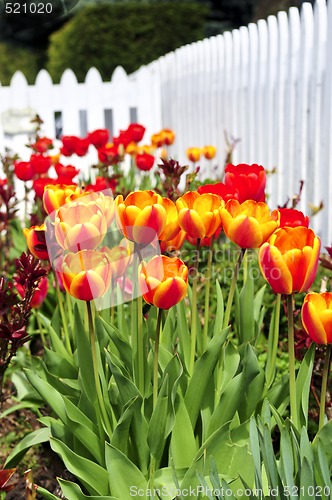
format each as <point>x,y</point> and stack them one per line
<point>140,339</point>
<point>207,295</point>
<point>194,311</point>
<point>63,316</point>
<point>232,289</point>
<point>291,361</point>
<point>156,358</point>
<point>326,370</point>
<point>103,420</point>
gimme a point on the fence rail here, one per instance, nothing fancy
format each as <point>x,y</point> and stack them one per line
<point>268,84</point>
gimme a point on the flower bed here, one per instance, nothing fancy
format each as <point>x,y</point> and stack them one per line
<point>161,325</point>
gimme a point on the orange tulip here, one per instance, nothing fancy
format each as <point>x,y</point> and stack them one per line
<point>163,281</point>
<point>120,257</point>
<point>289,259</point>
<point>86,275</point>
<point>55,195</point>
<point>36,241</point>
<point>79,226</point>
<point>174,244</point>
<point>141,216</point>
<point>199,213</point>
<point>317,317</point>
<point>92,198</point>
<point>193,154</point>
<point>248,224</point>
<point>172,227</point>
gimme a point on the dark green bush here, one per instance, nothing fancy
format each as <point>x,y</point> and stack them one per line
<point>129,35</point>
<point>13,58</point>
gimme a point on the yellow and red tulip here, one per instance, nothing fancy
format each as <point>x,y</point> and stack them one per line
<point>163,281</point>
<point>248,224</point>
<point>55,195</point>
<point>36,241</point>
<point>80,226</point>
<point>199,214</point>
<point>289,260</point>
<point>172,227</point>
<point>193,154</point>
<point>87,274</point>
<point>317,317</point>
<point>173,244</point>
<point>209,152</point>
<point>141,216</point>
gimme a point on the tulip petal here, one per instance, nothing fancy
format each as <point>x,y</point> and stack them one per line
<point>191,222</point>
<point>170,292</point>
<point>274,269</point>
<point>311,255</point>
<point>312,323</point>
<point>87,286</point>
<point>245,232</point>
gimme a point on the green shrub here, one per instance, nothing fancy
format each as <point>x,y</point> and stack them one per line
<point>13,58</point>
<point>129,35</point>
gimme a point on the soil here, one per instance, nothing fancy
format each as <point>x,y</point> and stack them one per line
<point>46,466</point>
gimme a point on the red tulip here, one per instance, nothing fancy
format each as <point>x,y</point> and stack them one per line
<point>42,145</point>
<point>144,161</point>
<point>248,180</point>
<point>99,138</point>
<point>289,217</point>
<point>40,164</point>
<point>136,131</point>
<point>220,189</point>
<point>66,173</point>
<point>23,170</point>
<point>39,295</point>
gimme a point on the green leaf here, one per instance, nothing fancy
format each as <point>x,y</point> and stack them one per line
<point>121,436</point>
<point>220,310</point>
<point>124,477</point>
<point>303,380</point>
<point>255,450</point>
<point>50,395</point>
<point>233,398</point>
<point>286,458</point>
<point>307,480</point>
<point>35,437</point>
<point>183,331</point>
<point>183,445</point>
<point>58,365</point>
<point>202,378</point>
<point>157,432</point>
<point>122,348</point>
<point>127,388</point>
<point>46,494</point>
<point>246,312</point>
<point>86,375</point>
<point>72,491</point>
<point>92,476</point>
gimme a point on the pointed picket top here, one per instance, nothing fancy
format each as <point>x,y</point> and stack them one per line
<point>43,78</point>
<point>119,74</point>
<point>93,77</point>
<point>18,80</point>
<point>68,77</point>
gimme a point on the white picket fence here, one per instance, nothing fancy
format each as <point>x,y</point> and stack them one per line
<point>268,84</point>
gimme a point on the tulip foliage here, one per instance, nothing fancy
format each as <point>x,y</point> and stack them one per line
<point>161,374</point>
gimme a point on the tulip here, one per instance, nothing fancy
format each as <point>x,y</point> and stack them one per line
<point>40,164</point>
<point>209,152</point>
<point>39,294</point>
<point>289,259</point>
<point>172,227</point>
<point>163,281</point>
<point>199,214</point>
<point>42,145</point>
<point>92,199</point>
<point>220,189</point>
<point>248,224</point>
<point>39,185</point>
<point>119,258</point>
<point>173,244</point>
<point>109,154</point>
<point>99,138</point>
<point>157,140</point>
<point>132,148</point>
<point>136,132</point>
<point>101,184</point>
<point>144,161</point>
<point>55,195</point>
<point>193,154</point>
<point>23,170</point>
<point>80,226</point>
<point>141,217</point>
<point>248,180</point>
<point>67,173</point>
<point>86,275</point>
<point>317,317</point>
<point>167,136</point>
<point>123,138</point>
<point>289,217</point>
<point>69,144</point>
<point>36,241</point>
<point>81,146</point>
